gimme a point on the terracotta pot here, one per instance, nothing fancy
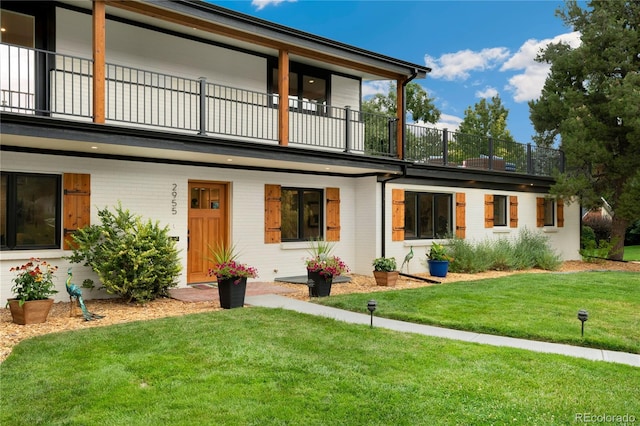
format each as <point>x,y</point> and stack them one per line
<point>31,312</point>
<point>387,279</point>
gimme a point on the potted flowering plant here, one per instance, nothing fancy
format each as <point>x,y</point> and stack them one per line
<point>323,267</point>
<point>231,275</point>
<point>32,287</point>
<point>385,271</point>
<point>438,260</point>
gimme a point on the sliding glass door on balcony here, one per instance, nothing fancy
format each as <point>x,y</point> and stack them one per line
<point>17,65</point>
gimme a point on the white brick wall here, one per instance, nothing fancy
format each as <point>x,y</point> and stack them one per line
<point>564,240</point>
<point>146,189</point>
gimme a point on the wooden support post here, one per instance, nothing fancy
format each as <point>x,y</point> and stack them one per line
<point>99,43</point>
<point>283,93</point>
<point>400,114</point>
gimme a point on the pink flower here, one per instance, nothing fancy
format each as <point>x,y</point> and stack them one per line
<point>327,266</point>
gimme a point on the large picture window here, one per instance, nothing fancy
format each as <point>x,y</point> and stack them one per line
<point>301,214</point>
<point>30,210</point>
<point>427,215</point>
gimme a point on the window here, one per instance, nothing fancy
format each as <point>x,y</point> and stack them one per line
<point>18,70</point>
<point>427,215</point>
<point>549,212</point>
<point>308,88</point>
<point>549,216</point>
<point>30,208</point>
<point>500,210</point>
<point>17,28</point>
<point>301,214</point>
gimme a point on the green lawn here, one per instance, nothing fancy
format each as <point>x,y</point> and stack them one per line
<point>632,253</point>
<point>258,366</point>
<point>531,306</point>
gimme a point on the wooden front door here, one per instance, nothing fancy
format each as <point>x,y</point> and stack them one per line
<point>208,224</point>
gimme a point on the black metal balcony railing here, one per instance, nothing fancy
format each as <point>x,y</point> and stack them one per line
<point>39,82</point>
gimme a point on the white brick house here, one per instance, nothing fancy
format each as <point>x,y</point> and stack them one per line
<point>174,109</point>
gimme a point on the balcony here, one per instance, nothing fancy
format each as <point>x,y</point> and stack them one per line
<point>44,83</point>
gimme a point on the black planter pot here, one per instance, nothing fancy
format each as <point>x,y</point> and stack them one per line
<point>232,291</point>
<point>321,284</point>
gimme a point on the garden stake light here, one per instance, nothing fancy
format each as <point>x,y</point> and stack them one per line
<point>310,283</point>
<point>583,316</point>
<point>371,306</point>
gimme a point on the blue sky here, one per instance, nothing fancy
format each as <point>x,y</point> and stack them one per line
<point>476,48</point>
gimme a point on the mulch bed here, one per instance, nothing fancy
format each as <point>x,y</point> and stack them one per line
<point>116,311</point>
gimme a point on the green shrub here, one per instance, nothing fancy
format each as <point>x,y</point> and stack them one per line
<point>467,257</point>
<point>528,250</point>
<point>536,247</point>
<point>601,226</point>
<point>502,258</point>
<point>134,259</point>
<point>588,237</point>
<point>596,252</point>
<point>385,264</point>
<point>632,235</point>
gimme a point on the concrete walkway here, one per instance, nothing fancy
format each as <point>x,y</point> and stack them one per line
<point>276,301</point>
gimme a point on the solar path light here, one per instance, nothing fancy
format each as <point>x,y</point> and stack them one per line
<point>583,316</point>
<point>371,306</point>
<point>311,284</point>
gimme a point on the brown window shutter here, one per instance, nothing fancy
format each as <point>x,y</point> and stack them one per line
<point>397,214</point>
<point>461,215</point>
<point>488,211</point>
<point>513,211</point>
<point>272,214</point>
<point>560,212</point>
<point>76,205</point>
<point>333,214</point>
<point>539,212</point>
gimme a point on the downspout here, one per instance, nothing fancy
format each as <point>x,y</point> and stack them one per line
<point>403,118</point>
<point>383,246</point>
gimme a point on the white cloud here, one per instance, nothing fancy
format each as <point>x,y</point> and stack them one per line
<point>488,92</point>
<point>528,84</point>
<point>371,88</point>
<point>457,66</point>
<point>447,121</point>
<point>261,4</point>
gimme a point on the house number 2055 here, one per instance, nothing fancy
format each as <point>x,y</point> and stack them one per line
<point>174,199</point>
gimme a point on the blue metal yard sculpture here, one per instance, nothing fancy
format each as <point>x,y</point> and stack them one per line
<point>407,259</point>
<point>76,292</point>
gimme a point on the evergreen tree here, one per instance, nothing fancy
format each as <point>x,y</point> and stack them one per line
<point>591,102</point>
